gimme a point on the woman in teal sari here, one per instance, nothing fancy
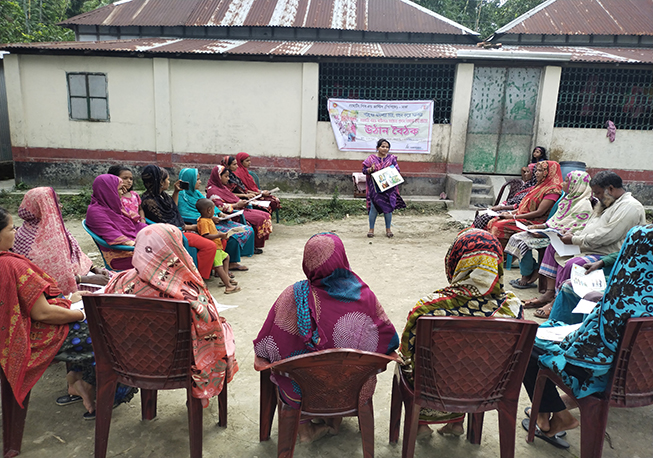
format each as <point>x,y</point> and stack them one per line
<point>239,244</point>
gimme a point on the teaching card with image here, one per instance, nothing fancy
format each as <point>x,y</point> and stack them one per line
<point>387,178</point>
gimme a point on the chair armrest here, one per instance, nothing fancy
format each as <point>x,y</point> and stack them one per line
<point>261,364</point>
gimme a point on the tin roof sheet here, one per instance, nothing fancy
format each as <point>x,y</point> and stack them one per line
<point>325,49</point>
<point>377,15</point>
<point>585,17</point>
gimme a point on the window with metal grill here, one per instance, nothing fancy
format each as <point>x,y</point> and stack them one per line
<point>87,96</point>
<point>388,82</point>
<point>589,97</point>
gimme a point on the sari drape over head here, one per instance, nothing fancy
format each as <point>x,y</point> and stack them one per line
<point>243,174</point>
<point>105,215</point>
<point>163,268</point>
<point>551,184</point>
<point>214,187</point>
<point>158,205</point>
<point>189,197</point>
<point>44,239</point>
<point>594,345</point>
<point>574,208</point>
<point>332,308</point>
<point>28,346</point>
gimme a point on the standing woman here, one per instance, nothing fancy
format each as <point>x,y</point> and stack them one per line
<point>239,244</point>
<point>160,207</point>
<point>377,201</point>
<point>217,190</point>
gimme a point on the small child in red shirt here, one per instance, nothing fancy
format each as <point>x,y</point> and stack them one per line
<point>206,228</point>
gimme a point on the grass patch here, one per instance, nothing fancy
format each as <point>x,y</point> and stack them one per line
<point>73,206</point>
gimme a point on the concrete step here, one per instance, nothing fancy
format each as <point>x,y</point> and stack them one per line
<point>481,189</point>
<point>481,199</point>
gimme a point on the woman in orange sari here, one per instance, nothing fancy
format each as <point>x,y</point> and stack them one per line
<point>534,207</point>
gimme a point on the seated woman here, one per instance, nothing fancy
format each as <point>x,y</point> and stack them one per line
<point>528,181</point>
<point>474,268</point>
<point>584,359</point>
<point>159,207</point>
<point>242,183</point>
<point>44,240</point>
<point>37,325</point>
<point>105,215</point>
<point>164,269</point>
<point>239,244</point>
<point>534,207</point>
<point>217,190</point>
<point>333,308</point>
<point>574,210</point>
<point>130,199</point>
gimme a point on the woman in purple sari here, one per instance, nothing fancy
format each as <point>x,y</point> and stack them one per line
<point>333,308</point>
<point>381,202</point>
<point>106,216</point>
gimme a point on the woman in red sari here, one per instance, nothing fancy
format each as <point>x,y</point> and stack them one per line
<point>534,207</point>
<point>218,191</point>
<point>242,183</point>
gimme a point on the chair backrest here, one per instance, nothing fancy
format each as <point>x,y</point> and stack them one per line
<point>469,364</point>
<point>145,341</point>
<point>331,380</point>
<point>255,177</point>
<point>554,209</point>
<point>632,379</point>
<point>514,185</point>
<point>100,241</point>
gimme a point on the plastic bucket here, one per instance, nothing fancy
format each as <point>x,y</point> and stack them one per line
<point>570,166</point>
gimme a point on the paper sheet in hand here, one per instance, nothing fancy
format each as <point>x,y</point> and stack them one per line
<point>548,231</point>
<point>231,215</point>
<point>556,333</point>
<point>490,213</point>
<point>583,284</point>
<point>261,203</point>
<point>387,178</point>
<point>584,306</point>
<point>561,248</point>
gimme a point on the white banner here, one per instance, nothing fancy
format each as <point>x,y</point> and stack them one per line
<point>358,124</point>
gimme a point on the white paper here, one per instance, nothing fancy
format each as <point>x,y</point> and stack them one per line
<point>584,306</point>
<point>254,198</point>
<point>231,215</point>
<point>584,283</point>
<point>556,333</point>
<point>490,212</point>
<point>222,307</point>
<point>261,203</point>
<point>561,248</point>
<point>387,178</point>
<point>79,305</point>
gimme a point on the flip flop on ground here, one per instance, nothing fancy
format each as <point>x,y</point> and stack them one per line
<point>555,440</point>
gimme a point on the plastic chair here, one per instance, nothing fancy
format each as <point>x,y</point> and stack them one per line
<point>631,385</point>
<point>258,185</point>
<point>116,257</point>
<point>146,343</point>
<point>13,418</point>
<point>360,184</point>
<point>323,395</point>
<point>464,364</point>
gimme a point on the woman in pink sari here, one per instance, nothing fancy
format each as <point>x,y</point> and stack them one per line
<point>217,190</point>
<point>332,308</point>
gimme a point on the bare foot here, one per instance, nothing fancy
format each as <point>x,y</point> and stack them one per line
<point>424,430</point>
<point>569,402</point>
<point>543,421</point>
<point>310,432</point>
<point>561,421</point>
<point>454,429</point>
<point>78,387</point>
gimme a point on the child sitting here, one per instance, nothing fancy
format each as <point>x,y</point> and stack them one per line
<point>206,228</point>
<point>130,200</point>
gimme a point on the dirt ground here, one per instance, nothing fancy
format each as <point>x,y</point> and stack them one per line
<point>398,270</point>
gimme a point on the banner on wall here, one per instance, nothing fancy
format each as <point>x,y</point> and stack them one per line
<point>358,124</point>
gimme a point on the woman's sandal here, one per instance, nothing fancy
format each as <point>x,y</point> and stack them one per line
<point>231,291</point>
<point>544,312</point>
<point>537,303</point>
<point>389,235</point>
<point>239,267</point>
<point>370,235</point>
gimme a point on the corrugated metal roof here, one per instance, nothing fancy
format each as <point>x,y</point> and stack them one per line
<point>585,17</point>
<point>369,15</point>
<point>325,49</point>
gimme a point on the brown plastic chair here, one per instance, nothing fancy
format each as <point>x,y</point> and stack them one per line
<point>323,395</point>
<point>13,418</point>
<point>514,185</point>
<point>146,343</point>
<point>631,385</point>
<point>464,364</point>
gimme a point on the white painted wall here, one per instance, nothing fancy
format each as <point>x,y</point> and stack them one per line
<point>38,103</point>
<point>631,149</point>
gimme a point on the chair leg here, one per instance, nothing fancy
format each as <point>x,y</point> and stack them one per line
<point>366,425</point>
<point>194,424</point>
<point>411,423</point>
<point>593,421</point>
<point>148,404</point>
<point>13,419</point>
<point>288,429</point>
<point>535,407</point>
<point>268,404</point>
<point>222,406</point>
<point>276,212</point>
<point>105,392</point>
<point>395,409</point>
<point>475,427</point>
<point>507,420</point>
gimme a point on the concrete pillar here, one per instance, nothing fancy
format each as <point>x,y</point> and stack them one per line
<point>547,102</point>
<point>162,108</point>
<point>462,96</point>
<point>15,105</point>
<point>310,100</point>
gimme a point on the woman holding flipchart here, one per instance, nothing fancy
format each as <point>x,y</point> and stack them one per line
<point>381,201</point>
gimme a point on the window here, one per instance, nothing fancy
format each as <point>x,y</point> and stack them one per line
<point>388,82</point>
<point>590,96</point>
<point>87,96</point>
